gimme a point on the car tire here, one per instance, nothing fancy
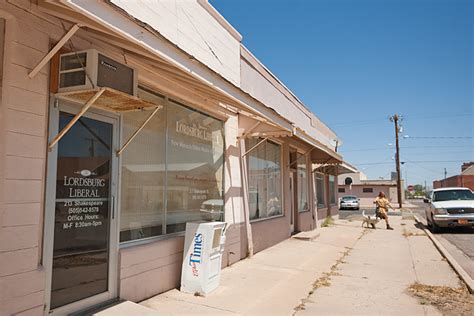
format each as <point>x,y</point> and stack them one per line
<point>435,228</point>
<point>428,223</point>
<point>357,208</point>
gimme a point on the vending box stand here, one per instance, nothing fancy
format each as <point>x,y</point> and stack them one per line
<point>202,257</point>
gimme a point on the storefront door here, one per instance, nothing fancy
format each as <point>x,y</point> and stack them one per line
<point>80,228</point>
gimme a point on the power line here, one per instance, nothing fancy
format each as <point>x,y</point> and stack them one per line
<point>423,167</point>
<point>417,161</point>
<point>401,147</point>
<point>409,118</point>
<point>438,115</point>
<point>440,153</point>
<point>437,137</point>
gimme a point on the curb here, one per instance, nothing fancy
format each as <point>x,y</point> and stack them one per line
<point>452,262</point>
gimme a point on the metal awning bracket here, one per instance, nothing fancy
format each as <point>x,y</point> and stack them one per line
<point>83,110</point>
<point>53,51</point>
<point>251,128</point>
<point>255,146</point>
<point>119,152</point>
<point>304,155</point>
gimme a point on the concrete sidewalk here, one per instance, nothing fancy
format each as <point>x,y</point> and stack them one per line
<point>346,270</point>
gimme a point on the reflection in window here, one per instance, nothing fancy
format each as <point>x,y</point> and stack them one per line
<point>143,174</point>
<point>264,172</point>
<point>332,189</point>
<point>195,168</point>
<point>302,183</point>
<point>320,190</point>
<point>172,172</point>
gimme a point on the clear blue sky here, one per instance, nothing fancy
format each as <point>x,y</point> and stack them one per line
<point>355,63</point>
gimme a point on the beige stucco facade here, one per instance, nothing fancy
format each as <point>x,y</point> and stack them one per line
<point>366,189</point>
<point>233,87</point>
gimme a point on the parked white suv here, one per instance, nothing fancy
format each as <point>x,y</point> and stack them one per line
<point>450,207</point>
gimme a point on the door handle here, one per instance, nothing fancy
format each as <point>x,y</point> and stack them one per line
<point>113,207</point>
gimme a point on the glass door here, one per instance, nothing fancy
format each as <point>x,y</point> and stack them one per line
<point>82,248</point>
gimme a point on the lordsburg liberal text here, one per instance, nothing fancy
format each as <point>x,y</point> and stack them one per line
<point>83,182</point>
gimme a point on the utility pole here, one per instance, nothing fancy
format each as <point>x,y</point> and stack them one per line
<point>395,118</point>
<point>445,173</point>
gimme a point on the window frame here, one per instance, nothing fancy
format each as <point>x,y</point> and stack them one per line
<point>367,190</point>
<point>307,209</point>
<point>280,144</point>
<point>331,203</point>
<point>323,178</point>
<point>165,236</point>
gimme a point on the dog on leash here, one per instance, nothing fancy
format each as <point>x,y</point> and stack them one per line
<point>369,220</point>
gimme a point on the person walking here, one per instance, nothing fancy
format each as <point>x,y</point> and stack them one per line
<point>382,204</point>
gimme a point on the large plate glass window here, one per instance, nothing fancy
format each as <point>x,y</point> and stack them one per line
<point>302,188</point>
<point>172,172</point>
<point>195,152</point>
<point>332,189</point>
<point>143,174</point>
<point>320,190</point>
<point>264,172</point>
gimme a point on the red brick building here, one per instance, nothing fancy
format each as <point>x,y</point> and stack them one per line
<point>465,179</point>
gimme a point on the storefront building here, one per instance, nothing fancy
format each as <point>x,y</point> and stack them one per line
<point>120,122</point>
<point>366,190</point>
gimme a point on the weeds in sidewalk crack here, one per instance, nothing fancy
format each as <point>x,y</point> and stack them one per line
<point>325,279</point>
<point>410,234</point>
<point>450,301</point>
<point>300,307</point>
<point>328,221</point>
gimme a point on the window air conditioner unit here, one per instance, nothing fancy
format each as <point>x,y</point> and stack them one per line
<point>89,69</point>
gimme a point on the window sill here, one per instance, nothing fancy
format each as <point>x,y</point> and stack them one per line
<point>257,220</point>
<point>149,240</point>
<point>303,211</point>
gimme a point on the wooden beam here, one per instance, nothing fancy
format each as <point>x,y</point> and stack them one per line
<point>54,50</point>
<point>304,155</point>
<point>75,118</point>
<point>251,128</point>
<point>270,134</point>
<point>119,152</point>
<point>245,191</point>
<point>258,144</point>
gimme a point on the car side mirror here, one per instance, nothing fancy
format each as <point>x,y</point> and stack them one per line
<point>426,200</point>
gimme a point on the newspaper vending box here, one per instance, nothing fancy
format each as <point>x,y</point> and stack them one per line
<point>202,256</point>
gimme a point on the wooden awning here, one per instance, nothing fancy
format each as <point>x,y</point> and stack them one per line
<point>107,99</point>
